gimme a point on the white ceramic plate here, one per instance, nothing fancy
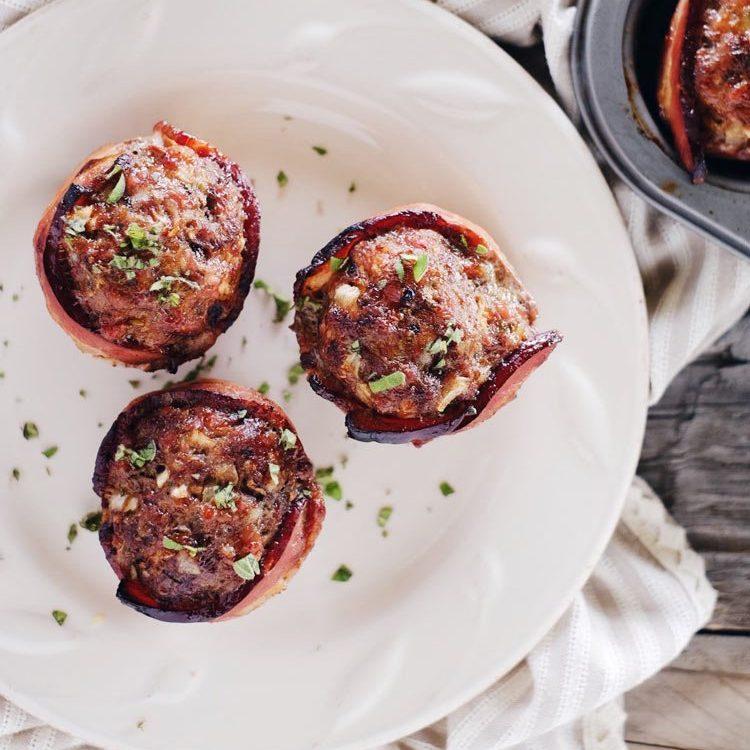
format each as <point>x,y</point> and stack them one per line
<point>412,105</point>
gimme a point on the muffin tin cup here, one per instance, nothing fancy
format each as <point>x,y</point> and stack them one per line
<point>616,53</point>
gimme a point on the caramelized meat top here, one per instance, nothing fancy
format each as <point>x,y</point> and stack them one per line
<point>722,77</point>
<point>194,484</point>
<point>148,247</point>
<point>411,323</point>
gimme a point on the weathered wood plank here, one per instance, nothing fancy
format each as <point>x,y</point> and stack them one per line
<point>696,456</point>
<point>725,654</point>
<point>691,710</point>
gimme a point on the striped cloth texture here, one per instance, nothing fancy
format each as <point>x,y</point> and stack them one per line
<point>648,594</point>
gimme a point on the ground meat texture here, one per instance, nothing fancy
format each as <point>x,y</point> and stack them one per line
<point>443,326</point>
<point>158,267</point>
<point>722,77</point>
<point>222,479</point>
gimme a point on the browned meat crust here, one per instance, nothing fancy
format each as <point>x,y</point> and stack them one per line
<point>408,315</point>
<point>151,248</point>
<point>193,480</point>
<point>722,77</point>
<point>704,89</point>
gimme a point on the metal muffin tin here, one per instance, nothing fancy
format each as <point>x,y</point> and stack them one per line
<point>616,52</point>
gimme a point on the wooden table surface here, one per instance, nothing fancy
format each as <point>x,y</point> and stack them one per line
<point>696,456</point>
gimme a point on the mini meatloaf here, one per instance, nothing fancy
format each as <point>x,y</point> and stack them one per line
<point>705,82</point>
<point>147,254</point>
<point>209,501</point>
<point>414,323</point>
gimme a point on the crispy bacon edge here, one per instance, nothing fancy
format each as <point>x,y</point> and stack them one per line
<point>283,556</point>
<point>366,425</point>
<point>676,93</point>
<point>48,233</point>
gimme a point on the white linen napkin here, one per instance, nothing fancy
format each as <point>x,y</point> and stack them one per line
<point>648,594</point>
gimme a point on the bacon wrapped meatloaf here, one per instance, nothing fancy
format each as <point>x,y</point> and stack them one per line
<point>415,324</point>
<point>704,91</point>
<point>147,254</point>
<point>209,501</point>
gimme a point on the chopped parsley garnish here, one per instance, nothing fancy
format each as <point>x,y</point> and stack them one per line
<point>134,383</point>
<point>138,458</point>
<point>129,264</point>
<point>383,515</point>
<point>392,380</point>
<point>481,249</point>
<point>224,497</point>
<point>287,439</point>
<point>116,168</point>
<point>49,452</point>
<point>76,224</point>
<point>118,190</point>
<point>399,269</point>
<point>343,574</point>
<point>273,470</point>
<point>163,285</point>
<point>83,393</point>
<point>420,268</point>
<point>333,490</point>
<point>16,473</point>
<point>59,616</point>
<point>168,543</point>
<point>91,521</point>
<point>30,430</point>
<point>2,374</point>
<point>440,346</point>
<point>352,186</point>
<point>140,239</point>
<point>247,567</point>
<point>324,472</point>
<point>294,373</point>
<point>464,241</point>
<point>282,179</point>
<point>321,150</point>
<point>286,394</point>
<point>263,388</point>
<point>72,534</point>
<point>283,305</point>
<point>349,505</point>
<point>446,489</point>
<point>337,263</point>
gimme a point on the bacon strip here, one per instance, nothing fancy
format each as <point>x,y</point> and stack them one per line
<point>677,97</point>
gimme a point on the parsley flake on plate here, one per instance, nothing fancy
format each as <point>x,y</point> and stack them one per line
<point>446,489</point>
<point>59,616</point>
<point>91,521</point>
<point>30,430</point>
<point>343,574</point>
